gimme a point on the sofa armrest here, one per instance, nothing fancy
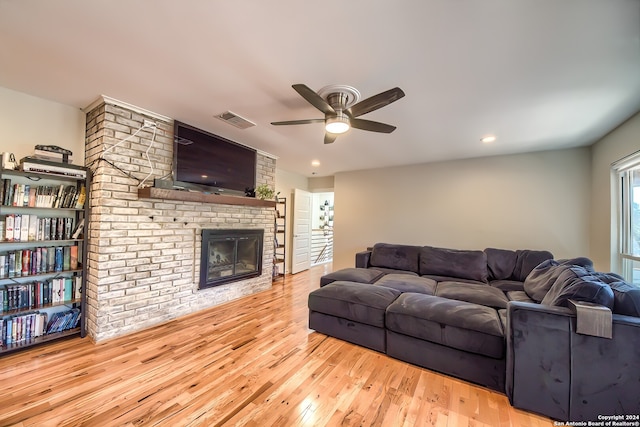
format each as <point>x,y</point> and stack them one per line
<point>538,376</point>
<point>362,259</point>
<point>554,370</point>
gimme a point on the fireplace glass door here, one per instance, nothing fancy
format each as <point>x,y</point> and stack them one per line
<point>230,255</point>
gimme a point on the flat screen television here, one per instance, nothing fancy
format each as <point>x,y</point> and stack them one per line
<point>208,162</point>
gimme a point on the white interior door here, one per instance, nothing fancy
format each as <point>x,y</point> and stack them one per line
<point>301,253</point>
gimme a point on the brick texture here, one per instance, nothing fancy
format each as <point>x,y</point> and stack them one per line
<point>144,255</point>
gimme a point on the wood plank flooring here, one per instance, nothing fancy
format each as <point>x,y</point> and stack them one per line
<point>251,362</point>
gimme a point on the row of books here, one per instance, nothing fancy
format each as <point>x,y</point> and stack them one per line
<point>41,293</point>
<point>41,260</point>
<point>28,228</point>
<point>24,327</point>
<point>42,196</point>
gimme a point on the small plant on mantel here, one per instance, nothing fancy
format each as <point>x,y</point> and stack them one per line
<point>264,192</point>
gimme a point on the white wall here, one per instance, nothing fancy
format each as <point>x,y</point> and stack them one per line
<point>526,201</point>
<point>321,183</point>
<point>621,142</point>
<point>286,182</point>
<point>26,121</point>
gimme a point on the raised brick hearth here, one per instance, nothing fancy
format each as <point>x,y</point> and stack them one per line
<point>144,254</point>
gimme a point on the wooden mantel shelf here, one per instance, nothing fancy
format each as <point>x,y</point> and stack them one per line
<point>194,196</point>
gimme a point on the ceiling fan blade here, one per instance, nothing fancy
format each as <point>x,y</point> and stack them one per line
<point>375,102</point>
<point>372,126</point>
<point>329,137</point>
<point>313,98</point>
<point>298,122</point>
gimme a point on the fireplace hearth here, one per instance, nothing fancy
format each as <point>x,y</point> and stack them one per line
<point>230,255</point>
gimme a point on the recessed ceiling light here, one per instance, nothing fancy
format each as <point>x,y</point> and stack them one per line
<point>487,139</point>
<point>315,163</point>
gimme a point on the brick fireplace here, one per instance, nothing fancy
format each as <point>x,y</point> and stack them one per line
<point>144,254</point>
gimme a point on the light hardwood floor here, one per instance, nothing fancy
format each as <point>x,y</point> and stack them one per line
<point>250,362</point>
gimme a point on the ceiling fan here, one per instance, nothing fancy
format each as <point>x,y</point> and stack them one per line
<point>341,108</point>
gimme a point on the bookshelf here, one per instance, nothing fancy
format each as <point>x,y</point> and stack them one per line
<point>42,257</point>
<point>280,240</point>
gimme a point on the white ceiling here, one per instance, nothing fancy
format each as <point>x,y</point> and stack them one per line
<point>539,74</point>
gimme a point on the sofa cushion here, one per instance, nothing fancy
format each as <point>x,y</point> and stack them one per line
<point>393,271</point>
<point>527,260</point>
<point>507,285</point>
<point>407,283</point>
<point>397,257</point>
<point>500,263</point>
<point>359,302</point>
<point>360,275</point>
<point>462,325</point>
<point>464,264</point>
<point>520,296</point>
<point>477,294</point>
<point>452,279</point>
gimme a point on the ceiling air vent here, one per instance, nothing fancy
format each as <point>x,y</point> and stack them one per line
<point>235,120</point>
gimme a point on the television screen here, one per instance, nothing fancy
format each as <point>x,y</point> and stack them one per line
<point>209,160</point>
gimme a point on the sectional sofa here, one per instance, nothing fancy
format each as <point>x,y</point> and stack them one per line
<point>557,337</point>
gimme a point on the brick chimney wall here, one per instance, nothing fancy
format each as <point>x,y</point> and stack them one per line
<point>143,254</point>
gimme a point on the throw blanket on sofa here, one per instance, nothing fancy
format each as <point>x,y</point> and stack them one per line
<point>554,282</point>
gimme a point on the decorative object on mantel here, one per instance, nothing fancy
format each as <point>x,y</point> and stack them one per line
<point>264,192</point>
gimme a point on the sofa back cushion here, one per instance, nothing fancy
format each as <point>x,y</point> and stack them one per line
<point>454,263</point>
<point>526,261</point>
<point>396,257</point>
<point>500,263</point>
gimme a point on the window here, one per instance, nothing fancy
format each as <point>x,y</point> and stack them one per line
<point>628,176</point>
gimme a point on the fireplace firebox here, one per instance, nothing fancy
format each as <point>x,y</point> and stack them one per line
<point>230,255</point>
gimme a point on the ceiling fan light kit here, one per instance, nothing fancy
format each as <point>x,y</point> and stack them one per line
<point>338,124</point>
<point>340,106</point>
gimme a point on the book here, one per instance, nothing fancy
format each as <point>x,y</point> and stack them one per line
<point>77,287</point>
<point>78,231</point>
<point>24,227</point>
<point>73,257</point>
<point>66,258</point>
<point>9,223</point>
<point>82,194</point>
<point>60,228</point>
<point>68,289</point>
<point>26,262</point>
<point>18,267</point>
<point>51,259</point>
<point>8,195</point>
<point>58,259</point>
<point>17,224</point>
<point>46,292</point>
<point>68,227</point>
<point>26,189</point>
<point>47,229</point>
<point>33,227</point>
<point>32,197</point>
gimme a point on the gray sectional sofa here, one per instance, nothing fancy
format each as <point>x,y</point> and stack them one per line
<point>557,337</point>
